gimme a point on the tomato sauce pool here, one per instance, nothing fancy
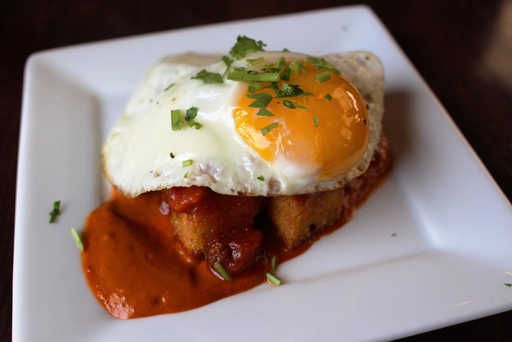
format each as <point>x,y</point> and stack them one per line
<point>136,268</point>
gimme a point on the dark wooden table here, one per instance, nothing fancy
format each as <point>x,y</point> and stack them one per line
<point>463,49</point>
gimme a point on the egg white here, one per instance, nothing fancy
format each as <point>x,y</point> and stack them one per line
<point>142,153</point>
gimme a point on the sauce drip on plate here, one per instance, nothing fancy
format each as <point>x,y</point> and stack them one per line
<point>136,268</point>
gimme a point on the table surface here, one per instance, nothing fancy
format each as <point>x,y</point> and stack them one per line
<point>462,48</point>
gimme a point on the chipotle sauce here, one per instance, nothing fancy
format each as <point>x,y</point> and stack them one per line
<point>136,268</point>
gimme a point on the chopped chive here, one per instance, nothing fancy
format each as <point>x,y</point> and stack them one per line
<point>306,94</point>
<point>323,76</point>
<point>294,67</point>
<point>187,162</point>
<point>261,178</point>
<point>222,271</point>
<point>273,280</point>
<point>169,86</point>
<point>247,76</point>
<point>78,239</point>
<point>55,212</point>
<point>185,175</point>
<point>264,112</point>
<point>254,62</point>
<point>208,77</point>
<point>176,122</point>
<point>328,97</point>
<point>273,264</point>
<point>315,120</point>
<point>508,284</point>
<point>268,128</point>
<point>260,100</point>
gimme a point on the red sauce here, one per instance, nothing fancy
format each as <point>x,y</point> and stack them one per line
<point>136,268</point>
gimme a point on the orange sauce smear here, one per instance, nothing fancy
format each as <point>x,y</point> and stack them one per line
<point>136,268</point>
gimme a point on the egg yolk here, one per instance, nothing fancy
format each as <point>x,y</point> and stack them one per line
<point>326,127</point>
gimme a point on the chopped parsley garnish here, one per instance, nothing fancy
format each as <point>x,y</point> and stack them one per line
<point>187,162</point>
<point>285,74</point>
<point>315,120</point>
<point>228,61</point>
<point>254,87</point>
<point>260,100</point>
<point>176,122</point>
<point>244,46</point>
<point>261,178</point>
<point>268,128</point>
<point>289,90</point>
<point>264,112</point>
<point>292,105</point>
<point>185,175</point>
<point>323,76</point>
<point>55,212</point>
<point>78,239</point>
<point>328,97</point>
<point>169,86</point>
<point>208,77</point>
<point>508,284</point>
<point>191,113</point>
<point>222,271</point>
<point>194,124</point>
<point>321,63</point>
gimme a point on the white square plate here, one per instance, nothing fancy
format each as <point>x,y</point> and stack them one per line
<point>430,248</point>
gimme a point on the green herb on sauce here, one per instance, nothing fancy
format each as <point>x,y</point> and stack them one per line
<point>78,239</point>
<point>265,130</point>
<point>222,271</point>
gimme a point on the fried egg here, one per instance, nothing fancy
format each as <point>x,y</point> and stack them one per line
<point>314,129</point>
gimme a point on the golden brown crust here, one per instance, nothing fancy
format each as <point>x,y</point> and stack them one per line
<point>299,218</point>
<point>296,218</point>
